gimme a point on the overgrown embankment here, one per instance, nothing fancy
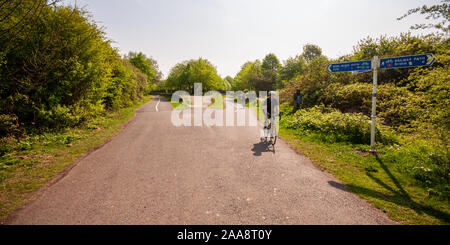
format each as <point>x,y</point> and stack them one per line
<point>63,90</point>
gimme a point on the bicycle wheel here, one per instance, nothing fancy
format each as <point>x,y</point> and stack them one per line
<point>274,140</point>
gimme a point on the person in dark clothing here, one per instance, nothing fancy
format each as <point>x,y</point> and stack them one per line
<point>270,106</point>
<point>297,99</point>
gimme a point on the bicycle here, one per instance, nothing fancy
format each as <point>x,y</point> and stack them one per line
<point>270,132</point>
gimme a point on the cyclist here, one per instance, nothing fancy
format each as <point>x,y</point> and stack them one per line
<point>270,106</point>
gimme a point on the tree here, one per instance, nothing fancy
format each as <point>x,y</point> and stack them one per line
<point>257,75</point>
<point>227,81</point>
<point>439,12</point>
<point>271,62</point>
<point>249,72</point>
<point>148,66</point>
<point>264,81</point>
<point>311,51</point>
<point>184,75</point>
<point>292,67</point>
<point>176,76</point>
<point>269,78</point>
<point>202,71</point>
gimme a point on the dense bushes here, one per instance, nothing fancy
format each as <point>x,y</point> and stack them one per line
<point>336,126</point>
<point>127,85</point>
<point>59,70</point>
<point>348,98</point>
<point>396,106</point>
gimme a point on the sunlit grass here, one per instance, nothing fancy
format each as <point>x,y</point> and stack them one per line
<point>374,178</point>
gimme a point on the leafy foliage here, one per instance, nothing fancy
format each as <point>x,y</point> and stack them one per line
<point>146,65</point>
<point>227,81</point>
<point>271,62</point>
<point>292,67</point>
<point>259,76</point>
<point>311,52</point>
<point>183,76</point>
<point>248,73</point>
<point>336,126</point>
<point>58,69</point>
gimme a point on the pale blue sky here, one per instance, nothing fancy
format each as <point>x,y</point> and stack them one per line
<point>230,32</point>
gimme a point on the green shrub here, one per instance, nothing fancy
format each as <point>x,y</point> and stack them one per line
<point>348,98</point>
<point>5,147</point>
<point>9,125</point>
<point>60,70</point>
<point>286,108</point>
<point>337,126</point>
<point>24,145</point>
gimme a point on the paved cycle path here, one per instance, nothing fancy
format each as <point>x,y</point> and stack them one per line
<point>155,173</point>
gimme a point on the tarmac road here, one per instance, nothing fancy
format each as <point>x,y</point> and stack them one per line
<point>155,173</point>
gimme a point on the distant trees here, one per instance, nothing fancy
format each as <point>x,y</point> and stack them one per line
<point>260,75</point>
<point>270,74</point>
<point>146,65</point>
<point>271,63</point>
<point>257,75</point>
<point>183,76</point>
<point>227,81</point>
<point>249,72</point>
<point>311,51</point>
<point>292,67</point>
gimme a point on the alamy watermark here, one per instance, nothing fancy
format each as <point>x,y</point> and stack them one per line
<point>211,109</point>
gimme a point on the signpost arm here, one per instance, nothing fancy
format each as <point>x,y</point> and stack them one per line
<point>374,101</point>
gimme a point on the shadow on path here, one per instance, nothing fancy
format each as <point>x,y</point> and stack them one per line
<point>261,147</point>
<point>399,196</point>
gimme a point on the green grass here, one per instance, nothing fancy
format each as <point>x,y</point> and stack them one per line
<point>219,104</point>
<point>38,159</point>
<point>176,105</point>
<point>179,106</point>
<point>375,178</point>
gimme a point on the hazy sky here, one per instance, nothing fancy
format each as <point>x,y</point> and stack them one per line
<point>230,32</point>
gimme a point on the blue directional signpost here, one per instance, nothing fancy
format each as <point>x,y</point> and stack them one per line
<point>407,61</point>
<point>350,66</point>
<point>375,64</point>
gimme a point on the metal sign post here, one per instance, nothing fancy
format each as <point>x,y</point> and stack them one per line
<point>374,103</point>
<point>373,65</point>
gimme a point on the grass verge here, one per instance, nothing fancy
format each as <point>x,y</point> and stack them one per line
<point>219,103</point>
<point>39,159</point>
<point>374,178</point>
<point>176,105</point>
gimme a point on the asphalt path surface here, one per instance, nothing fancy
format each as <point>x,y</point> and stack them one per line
<point>155,173</point>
